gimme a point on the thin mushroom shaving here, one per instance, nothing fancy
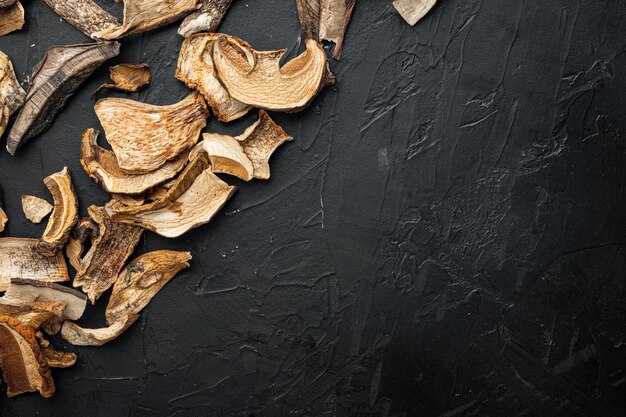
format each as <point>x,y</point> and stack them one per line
<point>255,77</point>
<point>11,18</point>
<point>207,19</point>
<point>35,208</point>
<point>144,136</point>
<point>128,77</point>
<point>412,11</point>
<point>12,95</point>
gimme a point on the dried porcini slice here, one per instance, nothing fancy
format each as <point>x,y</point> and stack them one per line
<point>3,216</point>
<point>128,77</point>
<point>101,165</point>
<point>256,78</point>
<point>19,258</point>
<point>61,71</point>
<point>35,208</point>
<point>412,11</point>
<point>227,156</point>
<point>85,15</point>
<point>64,215</point>
<point>195,68</point>
<point>326,20</point>
<point>7,3</point>
<point>135,286</point>
<point>110,248</point>
<point>24,367</point>
<point>11,18</point>
<point>145,136</point>
<point>35,314</point>
<point>207,19</point>
<point>55,358</point>
<point>12,95</point>
<point>74,250</point>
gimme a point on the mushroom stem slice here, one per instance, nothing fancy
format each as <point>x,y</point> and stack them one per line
<point>195,68</point>
<point>35,208</point>
<point>227,156</point>
<point>54,79</point>
<point>128,77</point>
<point>64,215</point>
<point>85,15</point>
<point>412,11</point>
<point>326,20</point>
<point>19,258</point>
<point>256,78</point>
<point>101,165</point>
<point>11,18</point>
<point>79,336</point>
<point>24,367</point>
<point>12,95</point>
<point>207,19</point>
<point>144,136</point>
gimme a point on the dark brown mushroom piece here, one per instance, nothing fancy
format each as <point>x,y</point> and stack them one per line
<point>53,81</point>
<point>129,78</point>
<point>55,358</point>
<point>12,95</point>
<point>207,19</point>
<point>11,18</point>
<point>326,20</point>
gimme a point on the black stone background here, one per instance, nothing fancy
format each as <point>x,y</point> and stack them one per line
<point>444,236</point>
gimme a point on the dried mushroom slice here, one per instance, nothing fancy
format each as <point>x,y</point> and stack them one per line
<point>7,3</point>
<point>84,230</point>
<point>3,216</point>
<point>19,258</point>
<point>11,18</point>
<point>85,15</point>
<point>24,367</point>
<point>256,78</point>
<point>326,20</point>
<point>79,336</point>
<point>64,215</point>
<point>207,19</point>
<point>412,11</point>
<point>35,314</point>
<point>12,95</point>
<point>128,77</point>
<point>195,68</point>
<point>23,292</point>
<point>227,156</point>
<point>55,358</point>
<point>110,248</point>
<point>35,208</point>
<point>101,165</point>
<point>54,79</point>
<point>144,136</point>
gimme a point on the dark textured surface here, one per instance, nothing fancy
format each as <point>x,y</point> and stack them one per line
<point>444,237</point>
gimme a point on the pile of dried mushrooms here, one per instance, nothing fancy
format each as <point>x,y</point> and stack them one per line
<point>163,174</point>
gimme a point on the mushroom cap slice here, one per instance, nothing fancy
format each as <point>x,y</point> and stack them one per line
<point>24,367</point>
<point>12,95</point>
<point>64,215</point>
<point>195,68</point>
<point>35,208</point>
<point>227,156</point>
<point>11,18</point>
<point>85,15</point>
<point>128,77</point>
<point>413,10</point>
<point>144,136</point>
<point>207,19</point>
<point>101,165</point>
<point>19,258</point>
<point>256,78</point>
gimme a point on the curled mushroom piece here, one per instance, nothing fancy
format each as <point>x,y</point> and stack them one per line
<point>24,367</point>
<point>61,71</point>
<point>207,19</point>
<point>12,95</point>
<point>128,77</point>
<point>227,156</point>
<point>144,136</point>
<point>19,258</point>
<point>85,15</point>
<point>11,18</point>
<point>101,165</point>
<point>135,286</point>
<point>256,78</point>
<point>64,215</point>
<point>55,358</point>
<point>35,208</point>
<point>195,68</point>
<point>413,10</point>
<point>326,20</point>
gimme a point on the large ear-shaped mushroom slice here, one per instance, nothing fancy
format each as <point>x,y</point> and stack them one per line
<point>413,10</point>
<point>326,20</point>
<point>54,79</point>
<point>35,208</point>
<point>101,165</point>
<point>136,285</point>
<point>84,15</point>
<point>144,136</point>
<point>195,68</point>
<point>19,258</point>
<point>64,215</point>
<point>256,78</point>
<point>24,367</point>
<point>207,19</point>
<point>12,95</point>
<point>11,18</point>
<point>114,243</point>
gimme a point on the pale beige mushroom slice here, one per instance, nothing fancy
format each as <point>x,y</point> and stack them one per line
<point>19,258</point>
<point>35,209</point>
<point>79,336</point>
<point>12,95</point>
<point>145,136</point>
<point>64,215</point>
<point>195,69</point>
<point>101,165</point>
<point>207,19</point>
<point>11,18</point>
<point>24,367</point>
<point>412,11</point>
<point>128,77</point>
<point>227,156</point>
<point>256,78</point>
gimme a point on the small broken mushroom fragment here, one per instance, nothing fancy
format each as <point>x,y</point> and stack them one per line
<point>101,165</point>
<point>12,95</point>
<point>24,367</point>
<point>11,18</point>
<point>54,79</point>
<point>145,136</point>
<point>412,11</point>
<point>135,286</point>
<point>128,77</point>
<point>207,19</point>
<point>227,156</point>
<point>326,20</point>
<point>256,78</point>
<point>64,215</point>
<point>3,216</point>
<point>19,258</point>
<point>55,358</point>
<point>85,15</point>
<point>35,208</point>
<point>195,68</point>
